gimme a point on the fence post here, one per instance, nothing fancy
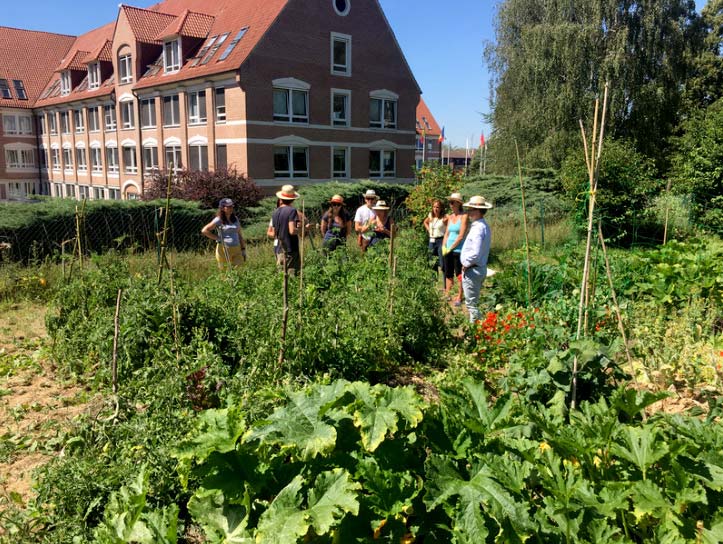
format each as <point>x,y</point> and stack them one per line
<point>542,224</point>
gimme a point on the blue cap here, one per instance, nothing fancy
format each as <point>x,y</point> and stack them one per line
<point>225,202</point>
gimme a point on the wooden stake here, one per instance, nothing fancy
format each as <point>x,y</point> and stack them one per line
<point>164,234</point>
<point>524,222</point>
<point>285,314</point>
<point>301,260</point>
<point>667,211</point>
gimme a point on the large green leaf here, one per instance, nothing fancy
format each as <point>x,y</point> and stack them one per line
<point>642,447</point>
<point>299,425</point>
<point>332,496</point>
<point>223,523</point>
<point>387,492</point>
<point>215,431</point>
<point>379,408</point>
<point>284,521</point>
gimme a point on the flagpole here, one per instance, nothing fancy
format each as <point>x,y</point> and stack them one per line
<point>424,148</point>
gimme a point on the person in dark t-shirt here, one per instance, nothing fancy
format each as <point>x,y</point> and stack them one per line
<point>285,226</point>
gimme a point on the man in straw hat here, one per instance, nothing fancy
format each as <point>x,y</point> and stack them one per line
<point>285,226</point>
<point>365,219</point>
<point>475,252</point>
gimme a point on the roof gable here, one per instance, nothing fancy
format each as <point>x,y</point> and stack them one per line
<point>425,120</point>
<point>190,24</point>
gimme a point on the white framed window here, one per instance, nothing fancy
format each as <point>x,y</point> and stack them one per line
<point>339,162</point>
<point>196,107</point>
<point>220,96</point>
<point>291,105</point>
<point>65,122</point>
<point>172,56</point>
<point>65,83</point>
<point>125,68</point>
<point>96,159</point>
<point>109,117</point>
<point>382,164</point>
<point>291,162</point>
<point>114,194</point>
<point>5,89</point>
<point>68,159</point>
<point>150,159</point>
<point>93,119</point>
<point>111,160</point>
<point>129,160</point>
<point>174,159</point>
<point>43,156</point>
<point>198,157</point>
<point>341,7</point>
<point>221,157</point>
<point>53,122</point>
<point>93,75</point>
<point>43,125</point>
<point>148,113</point>
<point>382,113</point>
<point>79,121</point>
<point>81,160</point>
<point>340,54</point>
<point>83,192</point>
<point>240,34</point>
<point>171,111</point>
<point>70,191</point>
<point>55,158</point>
<point>419,144</point>
<point>27,158</point>
<point>12,158</point>
<point>98,193</point>
<point>340,108</point>
<point>20,89</point>
<point>127,116</point>
<point>10,124</point>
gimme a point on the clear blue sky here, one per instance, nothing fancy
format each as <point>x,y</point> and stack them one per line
<point>443,42</point>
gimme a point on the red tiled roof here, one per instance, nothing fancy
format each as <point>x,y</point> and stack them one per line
<point>147,24</point>
<point>230,16</point>
<point>423,113</point>
<point>90,41</point>
<point>189,23</point>
<point>102,52</point>
<point>73,62</point>
<point>33,65</point>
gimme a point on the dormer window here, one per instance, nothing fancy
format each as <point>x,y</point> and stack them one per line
<point>125,66</point>
<point>65,83</point>
<point>93,75</point>
<point>172,56</point>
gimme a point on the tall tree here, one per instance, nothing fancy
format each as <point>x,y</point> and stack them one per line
<point>552,58</point>
<point>705,84</point>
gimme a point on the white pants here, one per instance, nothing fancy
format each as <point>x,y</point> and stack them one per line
<point>472,279</point>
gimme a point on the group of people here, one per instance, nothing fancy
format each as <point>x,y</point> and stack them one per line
<point>459,241</point>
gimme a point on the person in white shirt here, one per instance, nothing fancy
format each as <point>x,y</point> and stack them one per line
<point>365,218</point>
<point>475,253</point>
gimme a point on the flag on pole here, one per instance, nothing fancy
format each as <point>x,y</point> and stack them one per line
<point>441,136</point>
<point>482,140</point>
<point>422,136</point>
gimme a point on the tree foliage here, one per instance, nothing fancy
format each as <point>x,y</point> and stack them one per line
<point>705,84</point>
<point>626,187</point>
<point>552,59</point>
<point>698,165</point>
<point>205,187</point>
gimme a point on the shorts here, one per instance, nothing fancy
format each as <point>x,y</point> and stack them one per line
<point>452,265</point>
<point>234,256</point>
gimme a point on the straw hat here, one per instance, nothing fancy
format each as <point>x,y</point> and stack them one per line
<point>371,193</point>
<point>478,202</point>
<point>380,205</point>
<point>287,192</point>
<point>457,197</point>
<point>337,199</point>
<point>225,202</point>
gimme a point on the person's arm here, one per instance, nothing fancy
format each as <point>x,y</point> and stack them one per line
<point>426,225</point>
<point>446,233</point>
<point>294,218</point>
<point>207,232</point>
<point>347,230</point>
<point>472,248</point>
<point>462,232</point>
<point>270,232</point>
<point>324,224</point>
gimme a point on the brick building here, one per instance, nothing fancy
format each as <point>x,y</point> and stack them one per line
<point>428,146</point>
<point>300,90</point>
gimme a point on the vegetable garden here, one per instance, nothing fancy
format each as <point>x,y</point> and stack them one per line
<point>389,418</point>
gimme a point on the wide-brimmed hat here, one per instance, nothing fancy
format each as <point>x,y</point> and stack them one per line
<point>478,202</point>
<point>371,193</point>
<point>225,202</point>
<point>287,192</point>
<point>457,197</point>
<point>337,199</point>
<point>380,205</point>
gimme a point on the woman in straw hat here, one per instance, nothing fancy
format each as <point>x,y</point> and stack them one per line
<point>475,253</point>
<point>335,223</point>
<point>230,245</point>
<point>383,223</point>
<point>285,227</point>
<point>452,246</point>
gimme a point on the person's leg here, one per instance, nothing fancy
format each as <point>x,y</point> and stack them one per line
<point>293,263</point>
<point>472,284</point>
<point>448,273</point>
<point>458,276</point>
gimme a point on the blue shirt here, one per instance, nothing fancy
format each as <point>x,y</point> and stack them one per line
<point>228,232</point>
<point>476,248</point>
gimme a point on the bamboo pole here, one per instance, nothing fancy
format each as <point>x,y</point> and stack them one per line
<point>619,316</point>
<point>524,222</point>
<point>164,235</point>
<point>284,314</point>
<point>667,212</point>
<point>592,161</point>
<point>301,260</point>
